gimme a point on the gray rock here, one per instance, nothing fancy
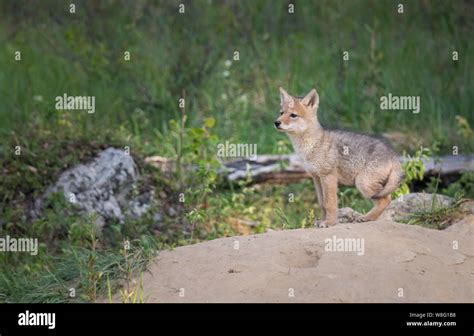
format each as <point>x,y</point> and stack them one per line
<point>467,207</point>
<point>347,215</point>
<point>102,187</point>
<point>140,205</point>
<point>401,208</point>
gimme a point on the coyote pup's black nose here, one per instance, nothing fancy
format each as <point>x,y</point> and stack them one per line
<point>277,123</point>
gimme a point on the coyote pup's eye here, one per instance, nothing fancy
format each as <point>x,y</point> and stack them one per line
<point>293,116</point>
<point>281,112</point>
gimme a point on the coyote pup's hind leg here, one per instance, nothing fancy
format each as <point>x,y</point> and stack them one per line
<point>369,187</point>
<point>379,206</point>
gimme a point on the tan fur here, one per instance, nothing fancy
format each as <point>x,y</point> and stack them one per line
<point>338,157</point>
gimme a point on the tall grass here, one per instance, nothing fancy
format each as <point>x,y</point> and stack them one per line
<point>82,54</point>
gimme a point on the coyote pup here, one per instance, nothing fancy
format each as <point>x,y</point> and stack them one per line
<point>334,156</point>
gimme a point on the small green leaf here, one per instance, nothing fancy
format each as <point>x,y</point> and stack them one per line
<point>209,122</point>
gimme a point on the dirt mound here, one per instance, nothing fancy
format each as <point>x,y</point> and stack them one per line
<point>379,261</point>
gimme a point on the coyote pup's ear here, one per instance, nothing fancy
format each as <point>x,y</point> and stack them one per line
<point>284,96</point>
<point>311,100</point>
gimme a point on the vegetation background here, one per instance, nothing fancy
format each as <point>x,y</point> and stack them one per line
<point>82,53</point>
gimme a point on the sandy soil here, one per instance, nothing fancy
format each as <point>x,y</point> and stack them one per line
<point>399,263</point>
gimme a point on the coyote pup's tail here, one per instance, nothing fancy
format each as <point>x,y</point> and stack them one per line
<point>394,178</point>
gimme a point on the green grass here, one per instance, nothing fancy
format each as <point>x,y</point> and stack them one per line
<point>437,216</point>
<point>82,54</point>
<point>78,274</point>
<point>72,263</point>
<point>73,252</point>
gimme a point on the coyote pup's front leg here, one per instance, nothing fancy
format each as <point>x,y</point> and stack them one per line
<point>319,195</point>
<point>329,193</point>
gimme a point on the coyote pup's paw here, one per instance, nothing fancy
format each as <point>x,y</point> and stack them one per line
<point>323,223</point>
<point>361,219</point>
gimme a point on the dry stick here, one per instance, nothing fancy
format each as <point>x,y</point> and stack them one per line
<point>180,147</point>
<point>180,141</point>
<point>192,232</point>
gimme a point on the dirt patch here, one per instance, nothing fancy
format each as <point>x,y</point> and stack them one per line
<point>399,263</point>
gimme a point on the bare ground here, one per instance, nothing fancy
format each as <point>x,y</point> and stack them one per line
<point>400,263</point>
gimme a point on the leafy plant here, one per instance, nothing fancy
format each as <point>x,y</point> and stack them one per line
<point>464,129</point>
<point>414,169</point>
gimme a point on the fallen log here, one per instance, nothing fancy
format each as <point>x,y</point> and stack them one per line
<point>288,168</point>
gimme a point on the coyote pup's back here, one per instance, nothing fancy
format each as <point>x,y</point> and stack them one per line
<point>359,154</point>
